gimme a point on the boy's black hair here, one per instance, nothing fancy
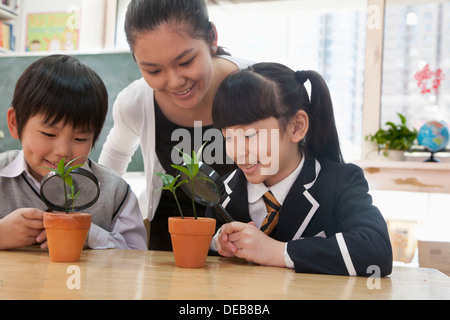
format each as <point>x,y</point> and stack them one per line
<point>61,88</point>
<point>273,90</point>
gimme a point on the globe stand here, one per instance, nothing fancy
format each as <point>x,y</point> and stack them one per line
<point>432,158</point>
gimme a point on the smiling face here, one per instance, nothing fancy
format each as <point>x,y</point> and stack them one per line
<point>44,145</point>
<point>265,153</point>
<point>178,67</point>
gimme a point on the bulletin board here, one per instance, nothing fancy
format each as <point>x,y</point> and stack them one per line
<point>53,31</point>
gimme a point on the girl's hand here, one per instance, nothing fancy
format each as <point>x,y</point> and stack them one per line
<point>245,240</point>
<point>224,246</point>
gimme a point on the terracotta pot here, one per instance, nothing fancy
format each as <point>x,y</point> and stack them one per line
<point>191,239</point>
<point>66,235</point>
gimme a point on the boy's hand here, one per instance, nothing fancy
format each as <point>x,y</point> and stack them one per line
<point>245,240</point>
<point>42,239</point>
<point>21,228</point>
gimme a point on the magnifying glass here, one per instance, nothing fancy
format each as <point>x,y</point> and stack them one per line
<point>83,180</point>
<point>207,193</point>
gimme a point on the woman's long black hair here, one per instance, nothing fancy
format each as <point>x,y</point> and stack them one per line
<point>274,90</point>
<point>147,15</point>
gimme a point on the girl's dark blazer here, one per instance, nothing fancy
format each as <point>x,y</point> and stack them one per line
<point>327,218</point>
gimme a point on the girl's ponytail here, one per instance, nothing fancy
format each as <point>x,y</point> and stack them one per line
<point>274,90</point>
<point>322,139</point>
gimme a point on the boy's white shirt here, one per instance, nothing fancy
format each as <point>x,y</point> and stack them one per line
<point>100,238</point>
<point>257,208</point>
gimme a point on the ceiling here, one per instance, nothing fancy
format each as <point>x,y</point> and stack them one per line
<point>329,3</point>
<point>269,5</point>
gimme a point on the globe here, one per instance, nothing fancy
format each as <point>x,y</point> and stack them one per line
<point>433,135</point>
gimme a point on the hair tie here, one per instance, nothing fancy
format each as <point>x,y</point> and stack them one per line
<point>301,76</point>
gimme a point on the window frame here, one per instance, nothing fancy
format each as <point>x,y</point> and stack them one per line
<point>373,71</point>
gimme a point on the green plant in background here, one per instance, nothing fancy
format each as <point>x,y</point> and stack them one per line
<point>190,169</point>
<point>64,170</point>
<point>396,137</point>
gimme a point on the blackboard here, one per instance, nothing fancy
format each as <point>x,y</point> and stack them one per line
<point>117,71</point>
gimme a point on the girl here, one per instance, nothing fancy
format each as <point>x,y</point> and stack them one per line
<point>312,213</point>
<point>175,47</point>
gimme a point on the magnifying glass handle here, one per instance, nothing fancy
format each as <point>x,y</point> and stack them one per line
<point>224,213</point>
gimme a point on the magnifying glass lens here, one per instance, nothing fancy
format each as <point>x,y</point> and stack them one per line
<point>84,182</point>
<point>207,191</point>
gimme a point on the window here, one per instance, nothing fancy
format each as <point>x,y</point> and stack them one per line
<point>416,34</point>
<point>319,35</point>
<point>416,37</point>
<point>323,35</point>
<point>330,37</point>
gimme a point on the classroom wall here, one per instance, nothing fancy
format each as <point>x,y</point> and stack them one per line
<point>116,69</point>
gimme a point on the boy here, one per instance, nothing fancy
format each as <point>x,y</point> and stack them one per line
<point>58,110</point>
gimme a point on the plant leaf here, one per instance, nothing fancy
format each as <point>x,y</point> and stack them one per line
<point>181,182</point>
<point>190,168</point>
<point>54,170</point>
<point>391,124</point>
<point>199,152</point>
<point>402,118</point>
<point>172,183</point>
<point>186,158</point>
<point>72,161</point>
<point>60,167</point>
<point>183,169</point>
<point>194,167</point>
<point>166,178</point>
<point>162,188</point>
<point>69,170</point>
<point>68,180</point>
<point>204,178</point>
<point>194,157</point>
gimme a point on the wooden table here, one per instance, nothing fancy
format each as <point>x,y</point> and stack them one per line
<point>128,274</point>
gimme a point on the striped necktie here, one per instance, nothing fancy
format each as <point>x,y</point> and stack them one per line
<point>273,211</point>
